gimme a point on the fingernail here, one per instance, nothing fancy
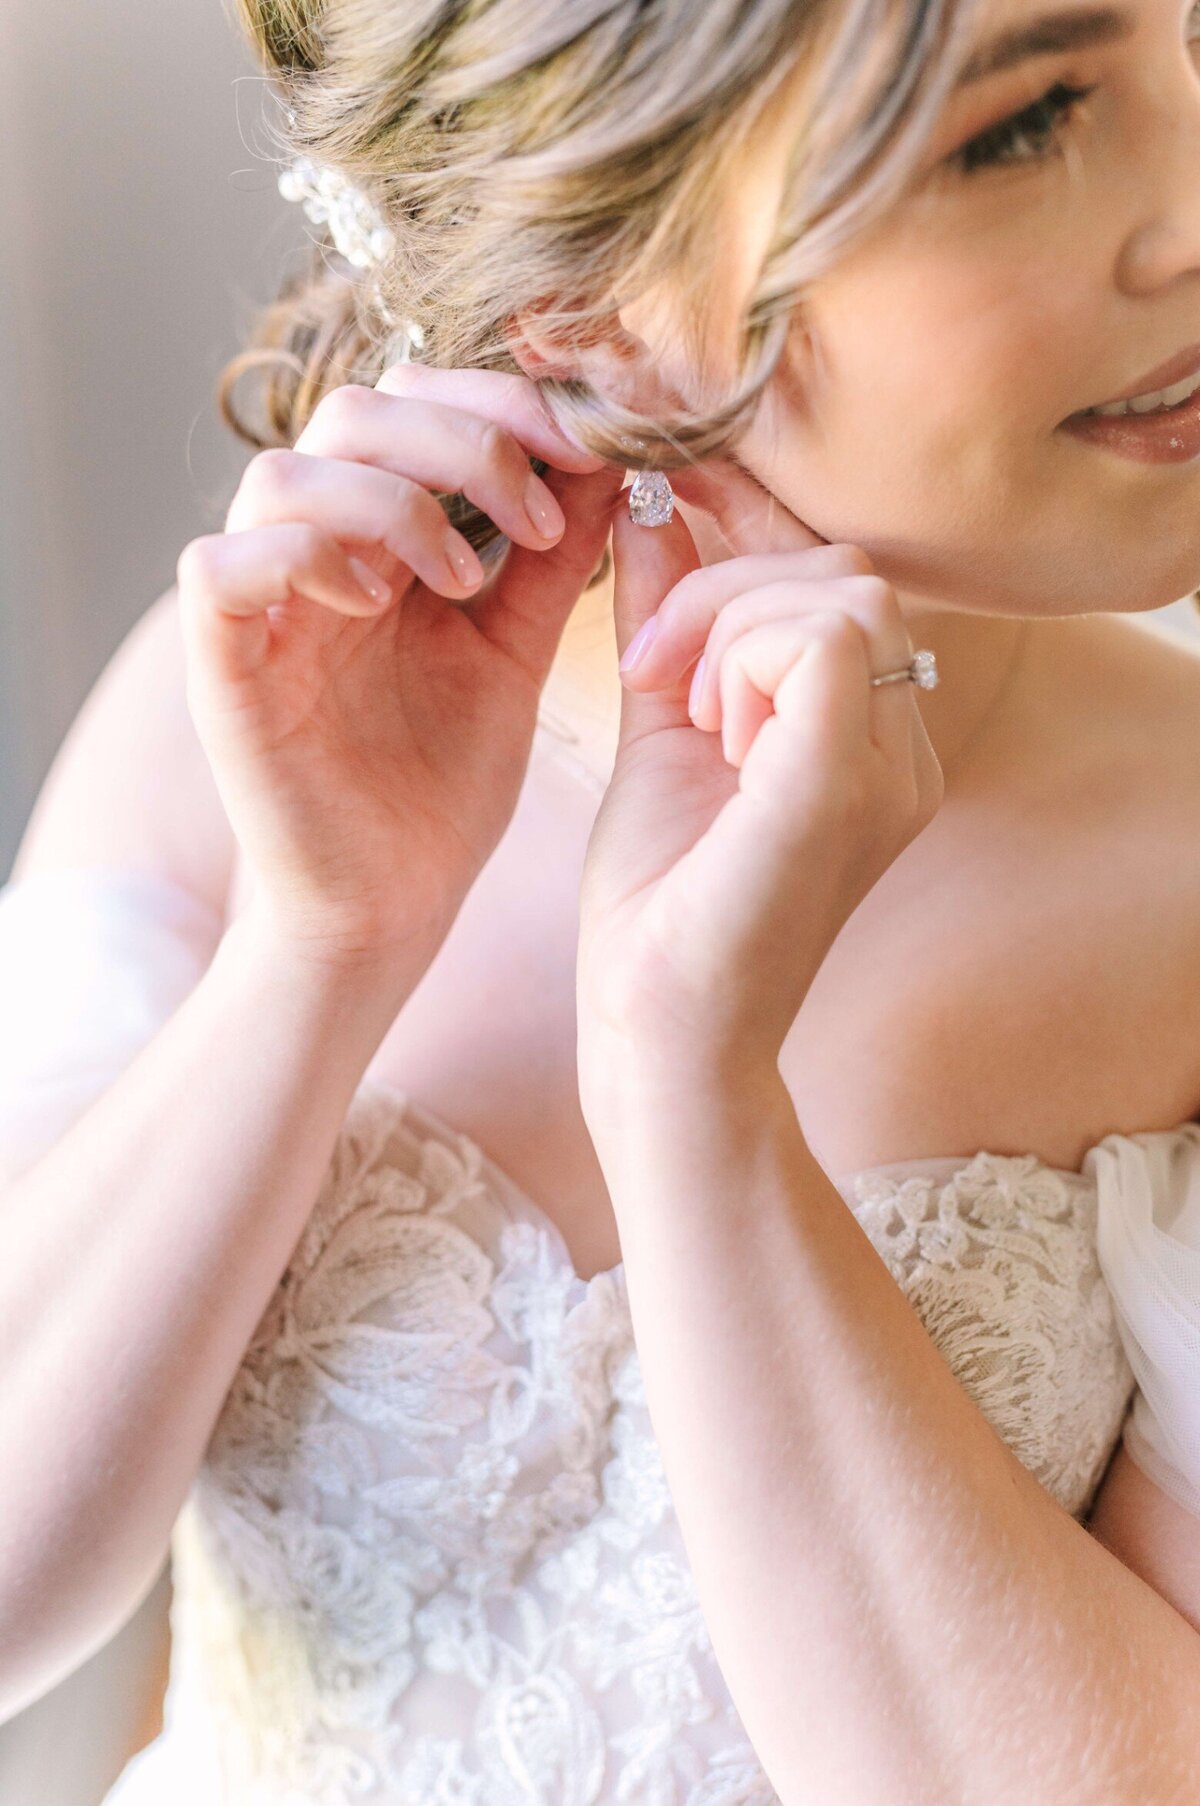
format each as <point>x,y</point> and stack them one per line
<point>697,682</point>
<point>636,649</point>
<point>464,565</point>
<point>371,581</point>
<point>547,517</point>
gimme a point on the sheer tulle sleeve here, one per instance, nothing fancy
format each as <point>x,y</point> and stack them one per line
<point>93,961</point>
<point>1148,1246</point>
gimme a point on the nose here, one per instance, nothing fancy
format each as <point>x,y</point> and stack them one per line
<point>1164,243</point>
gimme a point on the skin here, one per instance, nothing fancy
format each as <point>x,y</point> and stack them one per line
<point>1038,941</point>
<point>917,411</point>
<point>1067,733</point>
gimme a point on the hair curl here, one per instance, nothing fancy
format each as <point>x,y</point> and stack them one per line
<point>566,159</point>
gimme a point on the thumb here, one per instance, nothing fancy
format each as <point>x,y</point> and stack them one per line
<point>647,564</point>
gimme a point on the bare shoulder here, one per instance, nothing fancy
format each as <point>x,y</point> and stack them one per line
<point>130,784</point>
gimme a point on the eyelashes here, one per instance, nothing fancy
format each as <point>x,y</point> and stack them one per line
<point>1025,137</point>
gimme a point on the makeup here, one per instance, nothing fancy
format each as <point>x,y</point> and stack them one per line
<point>1165,436</point>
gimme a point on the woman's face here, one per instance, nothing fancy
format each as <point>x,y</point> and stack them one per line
<point>919,411</point>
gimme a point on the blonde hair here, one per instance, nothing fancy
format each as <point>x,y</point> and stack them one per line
<point>568,159</point>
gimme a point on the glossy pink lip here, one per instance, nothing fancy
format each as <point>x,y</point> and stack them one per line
<point>1184,363</point>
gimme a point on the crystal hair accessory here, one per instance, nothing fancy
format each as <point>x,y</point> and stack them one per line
<point>922,670</point>
<point>354,221</point>
<point>355,224</point>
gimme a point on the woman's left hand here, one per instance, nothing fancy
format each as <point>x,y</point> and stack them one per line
<point>734,842</point>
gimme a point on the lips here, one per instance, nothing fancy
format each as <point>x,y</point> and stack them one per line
<point>1184,363</point>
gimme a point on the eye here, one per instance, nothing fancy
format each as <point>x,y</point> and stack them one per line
<point>1025,137</point>
<point>1034,133</point>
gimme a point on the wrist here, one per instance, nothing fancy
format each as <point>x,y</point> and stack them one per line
<point>370,984</point>
<point>625,1076</point>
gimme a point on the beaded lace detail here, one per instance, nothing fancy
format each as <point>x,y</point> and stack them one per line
<point>431,1559</point>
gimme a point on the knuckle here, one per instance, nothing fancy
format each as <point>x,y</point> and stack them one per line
<point>730,628</point>
<point>398,376</point>
<point>876,594</point>
<point>273,468</point>
<point>194,565</point>
<point>416,510</point>
<point>835,624</point>
<point>498,448</point>
<point>306,543</point>
<point>854,561</point>
<point>730,617</point>
<point>342,408</point>
<point>883,610</point>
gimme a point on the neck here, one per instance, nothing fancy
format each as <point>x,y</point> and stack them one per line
<point>981,660</point>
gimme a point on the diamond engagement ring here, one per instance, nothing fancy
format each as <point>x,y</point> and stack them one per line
<point>921,670</point>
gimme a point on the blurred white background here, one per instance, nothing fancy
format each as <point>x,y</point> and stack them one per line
<point>140,226</point>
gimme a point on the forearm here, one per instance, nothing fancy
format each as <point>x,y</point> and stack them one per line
<point>903,1615</point>
<point>139,1254</point>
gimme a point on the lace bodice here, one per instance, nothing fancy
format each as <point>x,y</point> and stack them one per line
<point>431,1554</point>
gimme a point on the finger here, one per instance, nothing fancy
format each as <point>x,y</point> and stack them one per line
<point>775,832</point>
<point>748,517</point>
<point>757,663</point>
<point>525,607</point>
<point>360,504</point>
<point>442,447</point>
<point>868,600</point>
<point>227,582</point>
<point>646,566</point>
<point>690,612</point>
<point>512,401</point>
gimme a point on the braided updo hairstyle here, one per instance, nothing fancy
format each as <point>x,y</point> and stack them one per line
<point>565,157</point>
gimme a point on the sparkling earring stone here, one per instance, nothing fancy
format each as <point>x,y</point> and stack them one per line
<point>924,670</point>
<point>651,499</point>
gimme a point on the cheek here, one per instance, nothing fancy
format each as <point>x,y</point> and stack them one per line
<point>926,433</point>
<point>922,387</point>
<point>956,352</point>
<point>924,427</point>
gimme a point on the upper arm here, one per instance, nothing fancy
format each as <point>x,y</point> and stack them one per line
<point>1150,1533</point>
<point>130,785</point>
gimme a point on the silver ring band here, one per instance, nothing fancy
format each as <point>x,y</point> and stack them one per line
<point>922,670</point>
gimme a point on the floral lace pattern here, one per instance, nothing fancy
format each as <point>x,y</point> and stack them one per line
<point>431,1559</point>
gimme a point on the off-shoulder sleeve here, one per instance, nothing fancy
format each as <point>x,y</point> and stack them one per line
<point>93,961</point>
<point>1148,1247</point>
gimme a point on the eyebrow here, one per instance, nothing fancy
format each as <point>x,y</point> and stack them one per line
<point>1057,31</point>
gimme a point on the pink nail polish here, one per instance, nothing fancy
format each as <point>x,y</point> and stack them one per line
<point>636,648</point>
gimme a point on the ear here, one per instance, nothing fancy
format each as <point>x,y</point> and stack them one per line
<point>608,356</point>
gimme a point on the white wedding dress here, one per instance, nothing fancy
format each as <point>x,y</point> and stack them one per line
<point>430,1557</point>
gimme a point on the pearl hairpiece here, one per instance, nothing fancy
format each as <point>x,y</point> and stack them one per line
<point>355,223</point>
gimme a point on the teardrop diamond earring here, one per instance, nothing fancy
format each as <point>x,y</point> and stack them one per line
<point>651,499</point>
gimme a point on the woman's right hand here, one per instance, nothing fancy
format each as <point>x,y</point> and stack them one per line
<point>370,757</point>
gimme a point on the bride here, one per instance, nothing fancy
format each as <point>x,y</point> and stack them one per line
<point>616,1217</point>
